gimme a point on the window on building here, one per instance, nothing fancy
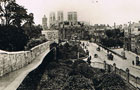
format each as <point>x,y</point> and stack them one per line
<point>66,23</point>
<point>133,39</point>
<point>68,17</point>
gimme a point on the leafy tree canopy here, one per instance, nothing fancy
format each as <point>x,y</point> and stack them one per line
<point>12,38</point>
<point>12,14</point>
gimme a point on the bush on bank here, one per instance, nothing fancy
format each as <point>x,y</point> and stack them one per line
<point>65,74</point>
<point>69,51</point>
<point>34,42</point>
<point>80,76</point>
<point>111,82</point>
<point>69,74</point>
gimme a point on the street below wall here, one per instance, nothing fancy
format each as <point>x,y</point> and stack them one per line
<point>120,63</point>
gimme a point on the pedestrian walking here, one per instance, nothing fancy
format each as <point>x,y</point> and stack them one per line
<point>87,52</point>
<point>90,57</point>
<point>107,51</point>
<point>133,62</point>
<point>83,44</point>
<point>88,61</point>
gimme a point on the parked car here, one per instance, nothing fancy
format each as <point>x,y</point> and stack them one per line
<point>137,61</point>
<point>98,49</point>
<point>95,55</point>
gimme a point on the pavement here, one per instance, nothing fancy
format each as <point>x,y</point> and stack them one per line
<point>120,63</point>
<point>12,80</point>
<point>130,56</point>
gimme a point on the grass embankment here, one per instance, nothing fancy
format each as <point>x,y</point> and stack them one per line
<point>64,74</point>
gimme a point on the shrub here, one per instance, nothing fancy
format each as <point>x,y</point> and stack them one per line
<point>53,84</point>
<point>66,62</point>
<point>32,31</point>
<point>34,42</point>
<point>70,50</point>
<point>61,71</point>
<point>52,65</point>
<point>112,82</point>
<point>85,70</point>
<point>78,82</point>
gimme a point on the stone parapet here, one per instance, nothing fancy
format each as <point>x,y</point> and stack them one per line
<point>11,61</point>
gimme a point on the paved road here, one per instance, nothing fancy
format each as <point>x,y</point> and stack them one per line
<point>120,63</point>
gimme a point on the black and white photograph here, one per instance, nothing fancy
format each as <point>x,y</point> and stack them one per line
<point>69,44</point>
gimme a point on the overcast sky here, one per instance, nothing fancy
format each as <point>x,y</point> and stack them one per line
<point>101,12</point>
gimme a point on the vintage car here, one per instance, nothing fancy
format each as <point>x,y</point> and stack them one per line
<point>95,55</point>
<point>110,56</point>
<point>98,49</point>
<point>87,44</point>
<point>137,61</point>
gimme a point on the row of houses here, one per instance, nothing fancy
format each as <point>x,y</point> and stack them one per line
<point>131,34</point>
<point>80,30</point>
<point>132,37</point>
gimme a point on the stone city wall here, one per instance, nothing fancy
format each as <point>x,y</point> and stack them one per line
<point>11,61</point>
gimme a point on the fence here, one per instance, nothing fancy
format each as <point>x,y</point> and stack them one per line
<point>131,79</point>
<point>112,51</point>
<point>11,61</point>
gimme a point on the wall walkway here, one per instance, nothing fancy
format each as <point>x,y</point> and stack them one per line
<point>17,65</point>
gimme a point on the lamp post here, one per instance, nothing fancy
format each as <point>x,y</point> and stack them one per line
<point>77,47</point>
<point>78,54</point>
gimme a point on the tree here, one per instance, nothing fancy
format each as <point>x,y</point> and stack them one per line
<point>109,33</point>
<point>12,38</point>
<point>32,31</point>
<point>30,20</point>
<point>11,13</point>
<point>114,38</point>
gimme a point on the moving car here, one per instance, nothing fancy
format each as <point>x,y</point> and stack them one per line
<point>110,56</point>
